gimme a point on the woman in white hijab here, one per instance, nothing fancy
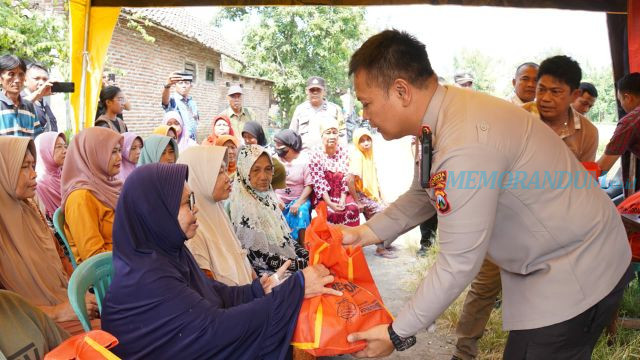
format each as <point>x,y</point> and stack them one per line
<point>215,247</point>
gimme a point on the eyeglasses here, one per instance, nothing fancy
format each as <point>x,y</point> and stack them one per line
<point>192,201</point>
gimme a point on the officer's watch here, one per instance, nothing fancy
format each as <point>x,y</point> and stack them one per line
<point>400,343</point>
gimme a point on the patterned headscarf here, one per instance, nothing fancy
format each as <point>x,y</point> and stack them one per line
<point>255,215</point>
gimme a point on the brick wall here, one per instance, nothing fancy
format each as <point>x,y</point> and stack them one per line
<point>146,67</point>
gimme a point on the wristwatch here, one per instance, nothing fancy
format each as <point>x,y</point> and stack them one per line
<point>167,86</point>
<point>400,343</point>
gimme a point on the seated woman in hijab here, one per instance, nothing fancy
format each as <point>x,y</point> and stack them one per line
<point>31,262</point>
<point>296,195</point>
<point>232,144</point>
<point>329,166</point>
<point>174,120</point>
<point>52,149</point>
<point>252,133</point>
<point>90,189</point>
<point>159,149</point>
<point>161,306</point>
<point>221,127</point>
<point>363,181</point>
<point>215,246</point>
<point>256,218</point>
<point>166,130</point>
<point>131,150</point>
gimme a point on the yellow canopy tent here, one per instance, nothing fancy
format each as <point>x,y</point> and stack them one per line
<point>91,29</point>
<point>92,24</point>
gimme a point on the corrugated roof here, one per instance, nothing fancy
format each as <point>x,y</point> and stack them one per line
<point>183,23</point>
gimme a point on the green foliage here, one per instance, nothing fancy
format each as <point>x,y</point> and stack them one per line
<point>481,66</point>
<point>290,44</point>
<point>137,22</point>
<point>29,34</point>
<point>605,108</point>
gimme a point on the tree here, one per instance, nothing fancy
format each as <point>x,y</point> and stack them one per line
<point>29,34</point>
<point>290,44</point>
<point>480,66</point>
<point>605,108</point>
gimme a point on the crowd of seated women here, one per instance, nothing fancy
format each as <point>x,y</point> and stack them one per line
<point>207,240</point>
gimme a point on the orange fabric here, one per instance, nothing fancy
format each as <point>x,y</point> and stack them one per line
<point>593,168</point>
<point>325,321</point>
<point>631,205</point>
<point>77,347</point>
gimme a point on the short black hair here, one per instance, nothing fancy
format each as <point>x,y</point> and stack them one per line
<point>392,54</point>
<point>9,62</point>
<point>527,64</point>
<point>35,65</point>
<point>589,88</point>
<point>630,83</point>
<point>562,68</point>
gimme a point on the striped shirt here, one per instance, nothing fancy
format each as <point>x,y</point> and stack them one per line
<point>18,120</point>
<point>626,136</point>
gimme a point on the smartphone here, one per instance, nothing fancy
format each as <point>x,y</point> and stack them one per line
<point>62,87</point>
<point>185,76</point>
<point>112,77</point>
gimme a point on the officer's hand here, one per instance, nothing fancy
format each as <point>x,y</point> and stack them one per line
<point>378,342</point>
<point>359,235</point>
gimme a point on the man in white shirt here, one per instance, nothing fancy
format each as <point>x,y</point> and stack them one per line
<point>524,84</point>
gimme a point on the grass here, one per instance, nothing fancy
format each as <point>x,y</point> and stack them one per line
<point>625,345</point>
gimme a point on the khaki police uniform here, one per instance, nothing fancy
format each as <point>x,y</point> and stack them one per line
<point>307,121</point>
<point>548,240</point>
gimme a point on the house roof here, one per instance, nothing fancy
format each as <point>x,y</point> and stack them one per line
<point>183,23</point>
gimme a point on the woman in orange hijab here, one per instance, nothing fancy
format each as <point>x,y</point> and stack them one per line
<point>221,126</point>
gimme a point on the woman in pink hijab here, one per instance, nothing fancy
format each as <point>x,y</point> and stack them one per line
<point>132,147</point>
<point>174,120</point>
<point>52,149</point>
<point>90,190</point>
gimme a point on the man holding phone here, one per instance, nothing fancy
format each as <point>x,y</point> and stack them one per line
<point>37,90</point>
<point>181,101</point>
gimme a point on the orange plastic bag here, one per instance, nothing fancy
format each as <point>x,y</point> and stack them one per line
<point>325,321</point>
<point>87,346</point>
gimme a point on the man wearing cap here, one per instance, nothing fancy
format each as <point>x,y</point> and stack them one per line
<point>308,116</point>
<point>236,112</point>
<point>559,244</point>
<point>463,79</point>
<point>182,102</point>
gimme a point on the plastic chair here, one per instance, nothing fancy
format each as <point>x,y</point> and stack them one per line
<point>58,224</point>
<point>96,273</point>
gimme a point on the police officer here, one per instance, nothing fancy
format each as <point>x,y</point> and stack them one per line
<point>482,169</point>
<point>308,117</point>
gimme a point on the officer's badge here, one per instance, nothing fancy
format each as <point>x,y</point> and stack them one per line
<point>438,183</point>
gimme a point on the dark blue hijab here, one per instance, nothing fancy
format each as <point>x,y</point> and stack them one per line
<point>161,306</point>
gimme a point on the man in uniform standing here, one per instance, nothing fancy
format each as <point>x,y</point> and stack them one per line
<point>308,116</point>
<point>548,239</point>
<point>237,112</point>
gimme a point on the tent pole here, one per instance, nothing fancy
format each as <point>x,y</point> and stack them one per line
<point>85,65</point>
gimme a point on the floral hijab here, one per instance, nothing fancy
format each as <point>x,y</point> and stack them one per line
<point>255,215</point>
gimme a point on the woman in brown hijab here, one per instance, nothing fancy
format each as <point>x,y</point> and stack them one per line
<point>30,262</point>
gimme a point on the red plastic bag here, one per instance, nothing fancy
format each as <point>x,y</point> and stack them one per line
<point>325,321</point>
<point>87,346</point>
